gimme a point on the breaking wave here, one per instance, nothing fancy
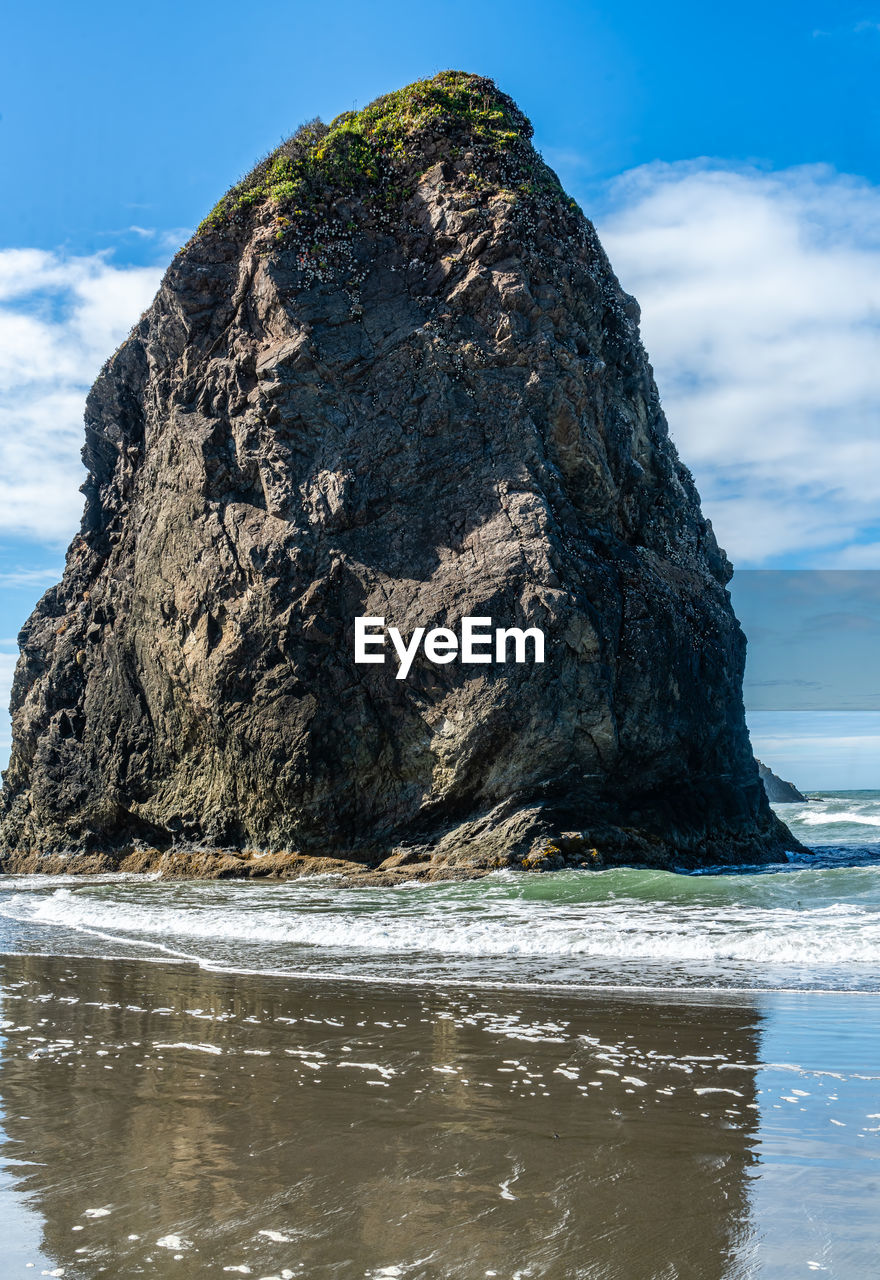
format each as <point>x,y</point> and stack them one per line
<point>812,922</point>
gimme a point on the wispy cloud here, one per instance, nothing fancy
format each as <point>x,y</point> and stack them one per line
<point>7,670</point>
<point>30,578</point>
<point>776,684</point>
<point>760,296</point>
<point>817,749</point>
<point>836,622</point>
<point>850,29</point>
<point>865,555</point>
<point>60,318</point>
<point>167,241</point>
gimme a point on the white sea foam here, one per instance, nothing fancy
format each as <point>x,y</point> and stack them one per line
<point>836,934</point>
<point>843,818</point>
<point>811,818</point>
<point>816,916</point>
<point>172,1242</point>
<point>196,1048</point>
<point>385,1072</point>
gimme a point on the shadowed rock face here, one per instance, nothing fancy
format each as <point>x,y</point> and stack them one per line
<point>393,374</point>
<point>778,790</point>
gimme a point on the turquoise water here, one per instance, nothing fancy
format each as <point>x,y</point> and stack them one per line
<point>810,923</point>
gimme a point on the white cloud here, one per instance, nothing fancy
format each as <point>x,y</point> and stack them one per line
<point>760,296</point>
<point>22,577</point>
<point>168,241</point>
<point>819,750</point>
<point>864,556</point>
<point>60,319</point>
<point>7,670</point>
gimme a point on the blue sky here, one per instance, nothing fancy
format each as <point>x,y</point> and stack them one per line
<point>728,155</point>
<point>116,115</point>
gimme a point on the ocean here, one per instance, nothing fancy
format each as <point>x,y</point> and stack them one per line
<point>810,923</point>
<point>574,1074</point>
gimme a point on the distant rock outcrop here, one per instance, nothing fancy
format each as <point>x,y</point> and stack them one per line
<point>778,790</point>
<point>394,375</point>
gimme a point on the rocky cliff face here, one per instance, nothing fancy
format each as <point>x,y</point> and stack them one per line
<point>393,374</point>
<point>778,790</point>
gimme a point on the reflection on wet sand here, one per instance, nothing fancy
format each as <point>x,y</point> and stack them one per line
<point>185,1123</point>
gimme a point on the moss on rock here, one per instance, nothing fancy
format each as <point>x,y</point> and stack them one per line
<point>377,154</point>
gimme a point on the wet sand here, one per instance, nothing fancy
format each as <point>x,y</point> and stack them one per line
<point>161,1120</point>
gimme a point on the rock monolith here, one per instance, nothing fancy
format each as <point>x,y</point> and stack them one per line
<point>392,375</point>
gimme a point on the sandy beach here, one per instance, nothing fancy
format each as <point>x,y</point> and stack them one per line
<point>164,1120</point>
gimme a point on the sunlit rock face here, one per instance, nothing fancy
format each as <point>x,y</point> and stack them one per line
<point>392,375</point>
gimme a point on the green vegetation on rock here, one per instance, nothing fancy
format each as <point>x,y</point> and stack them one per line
<point>377,154</point>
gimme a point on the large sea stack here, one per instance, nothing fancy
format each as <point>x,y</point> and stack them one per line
<point>393,374</point>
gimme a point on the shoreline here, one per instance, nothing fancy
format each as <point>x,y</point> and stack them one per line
<point>429,937</point>
<point>168,1121</point>
<point>454,985</point>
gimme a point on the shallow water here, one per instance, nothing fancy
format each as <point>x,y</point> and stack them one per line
<point>627,1074</point>
<point>166,1121</point>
